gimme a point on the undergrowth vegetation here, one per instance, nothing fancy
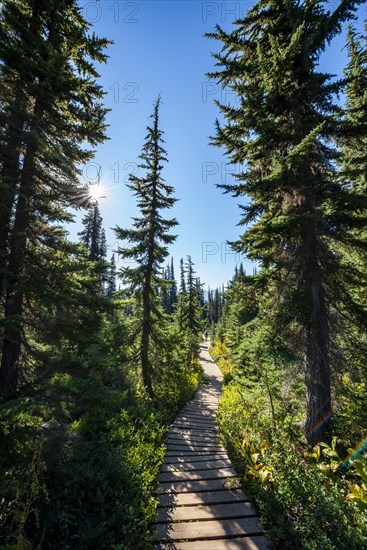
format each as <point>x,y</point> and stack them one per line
<point>80,456</point>
<point>307,498</point>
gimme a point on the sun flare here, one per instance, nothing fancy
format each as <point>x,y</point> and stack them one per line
<point>96,192</point>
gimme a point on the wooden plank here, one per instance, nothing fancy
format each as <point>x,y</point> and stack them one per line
<point>200,414</point>
<point>197,457</point>
<point>186,448</point>
<point>201,474</point>
<point>199,465</point>
<point>213,511</point>
<point>240,543</point>
<point>192,454</point>
<point>206,497</point>
<point>204,422</point>
<point>207,530</point>
<point>200,421</point>
<point>186,445</point>
<point>194,432</point>
<point>196,429</point>
<point>204,404</point>
<point>176,432</point>
<point>209,427</point>
<point>194,486</point>
<point>199,438</point>
<point>197,442</point>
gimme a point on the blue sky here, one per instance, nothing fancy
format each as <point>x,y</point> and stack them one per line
<point>159,48</point>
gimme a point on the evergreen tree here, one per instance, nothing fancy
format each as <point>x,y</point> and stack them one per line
<point>189,310</point>
<point>111,278</point>
<point>93,235</point>
<point>149,239</point>
<point>165,292</point>
<point>169,292</point>
<point>182,276</point>
<point>49,55</point>
<point>299,212</point>
<point>173,288</point>
<point>354,133</point>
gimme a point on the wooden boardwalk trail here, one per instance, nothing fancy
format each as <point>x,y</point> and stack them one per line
<point>199,506</point>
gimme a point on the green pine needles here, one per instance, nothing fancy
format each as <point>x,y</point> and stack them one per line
<point>147,244</point>
<point>301,215</point>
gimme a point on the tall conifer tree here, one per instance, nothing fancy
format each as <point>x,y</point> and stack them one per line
<point>281,131</point>
<point>49,55</point>
<point>148,241</point>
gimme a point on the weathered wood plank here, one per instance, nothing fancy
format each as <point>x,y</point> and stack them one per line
<point>205,512</point>
<point>193,435</point>
<point>186,448</point>
<point>195,486</point>
<point>206,497</point>
<point>186,458</point>
<point>204,417</point>
<point>184,424</point>
<point>207,530</point>
<point>198,465</point>
<point>196,442</point>
<point>205,453</point>
<point>201,474</point>
<point>198,423</point>
<point>241,543</point>
<point>192,432</point>
<point>208,431</point>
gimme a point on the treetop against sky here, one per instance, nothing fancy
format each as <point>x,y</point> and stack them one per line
<point>159,48</point>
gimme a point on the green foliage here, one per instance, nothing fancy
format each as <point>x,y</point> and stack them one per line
<point>147,244</point>
<point>305,218</point>
<point>82,455</point>
<point>189,311</point>
<point>306,499</point>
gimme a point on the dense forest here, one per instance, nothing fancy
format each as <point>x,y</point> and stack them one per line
<point>98,355</point>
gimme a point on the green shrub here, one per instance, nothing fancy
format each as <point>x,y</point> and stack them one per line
<point>303,502</point>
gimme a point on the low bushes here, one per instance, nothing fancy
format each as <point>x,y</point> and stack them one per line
<point>306,499</point>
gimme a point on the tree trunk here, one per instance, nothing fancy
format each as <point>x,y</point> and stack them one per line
<point>9,179</point>
<point>144,354</point>
<point>317,368</point>
<point>12,338</point>
<point>318,396</point>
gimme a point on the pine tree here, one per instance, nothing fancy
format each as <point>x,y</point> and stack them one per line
<point>165,291</point>
<point>111,278</point>
<point>182,276</point>
<point>299,211</point>
<point>173,288</point>
<point>354,133</point>
<point>50,57</point>
<point>189,311</point>
<point>92,235</point>
<point>149,239</point>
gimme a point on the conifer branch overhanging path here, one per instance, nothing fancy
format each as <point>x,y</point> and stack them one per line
<point>201,505</point>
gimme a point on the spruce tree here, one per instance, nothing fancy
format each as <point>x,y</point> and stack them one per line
<point>189,311</point>
<point>49,55</point>
<point>281,131</point>
<point>92,235</point>
<point>173,288</point>
<point>182,276</point>
<point>354,132</point>
<point>148,241</point>
<point>111,278</point>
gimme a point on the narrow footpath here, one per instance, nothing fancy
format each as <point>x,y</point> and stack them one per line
<point>201,504</point>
